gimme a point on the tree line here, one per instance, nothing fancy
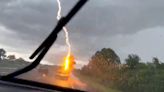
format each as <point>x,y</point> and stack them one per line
<point>132,76</point>
<point>4,57</point>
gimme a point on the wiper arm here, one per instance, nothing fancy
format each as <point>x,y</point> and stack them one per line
<point>45,46</point>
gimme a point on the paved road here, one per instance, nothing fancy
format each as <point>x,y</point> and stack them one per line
<point>71,82</point>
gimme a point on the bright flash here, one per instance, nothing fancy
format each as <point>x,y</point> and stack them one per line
<point>66,63</point>
<point>69,63</point>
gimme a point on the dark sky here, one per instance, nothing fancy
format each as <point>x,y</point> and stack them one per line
<point>127,26</point>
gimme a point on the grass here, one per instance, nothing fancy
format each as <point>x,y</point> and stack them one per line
<point>93,84</point>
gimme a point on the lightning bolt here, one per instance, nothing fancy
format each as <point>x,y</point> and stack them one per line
<point>66,36</point>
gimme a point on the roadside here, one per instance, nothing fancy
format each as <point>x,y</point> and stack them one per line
<point>93,85</point>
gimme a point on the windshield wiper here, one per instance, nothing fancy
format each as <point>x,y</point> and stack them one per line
<point>45,46</point>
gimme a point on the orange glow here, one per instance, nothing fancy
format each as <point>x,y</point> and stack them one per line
<point>66,63</point>
<point>69,63</point>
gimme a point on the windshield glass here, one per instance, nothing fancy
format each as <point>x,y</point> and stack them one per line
<point>109,46</point>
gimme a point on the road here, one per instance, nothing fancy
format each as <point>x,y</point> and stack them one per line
<point>72,82</point>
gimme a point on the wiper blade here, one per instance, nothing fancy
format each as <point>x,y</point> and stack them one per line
<point>45,46</point>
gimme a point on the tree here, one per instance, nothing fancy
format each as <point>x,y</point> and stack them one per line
<point>20,59</point>
<point>156,61</point>
<point>102,62</point>
<point>132,61</point>
<point>11,57</point>
<point>2,54</point>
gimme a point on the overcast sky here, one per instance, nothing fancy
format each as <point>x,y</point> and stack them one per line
<point>126,26</point>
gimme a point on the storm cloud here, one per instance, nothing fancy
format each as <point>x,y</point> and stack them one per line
<point>24,24</point>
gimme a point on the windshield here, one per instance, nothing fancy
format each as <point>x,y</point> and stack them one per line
<point>109,46</point>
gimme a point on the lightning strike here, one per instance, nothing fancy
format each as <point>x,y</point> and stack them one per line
<point>67,61</point>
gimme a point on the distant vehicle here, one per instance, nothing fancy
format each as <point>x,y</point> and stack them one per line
<point>62,75</point>
<point>65,74</point>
